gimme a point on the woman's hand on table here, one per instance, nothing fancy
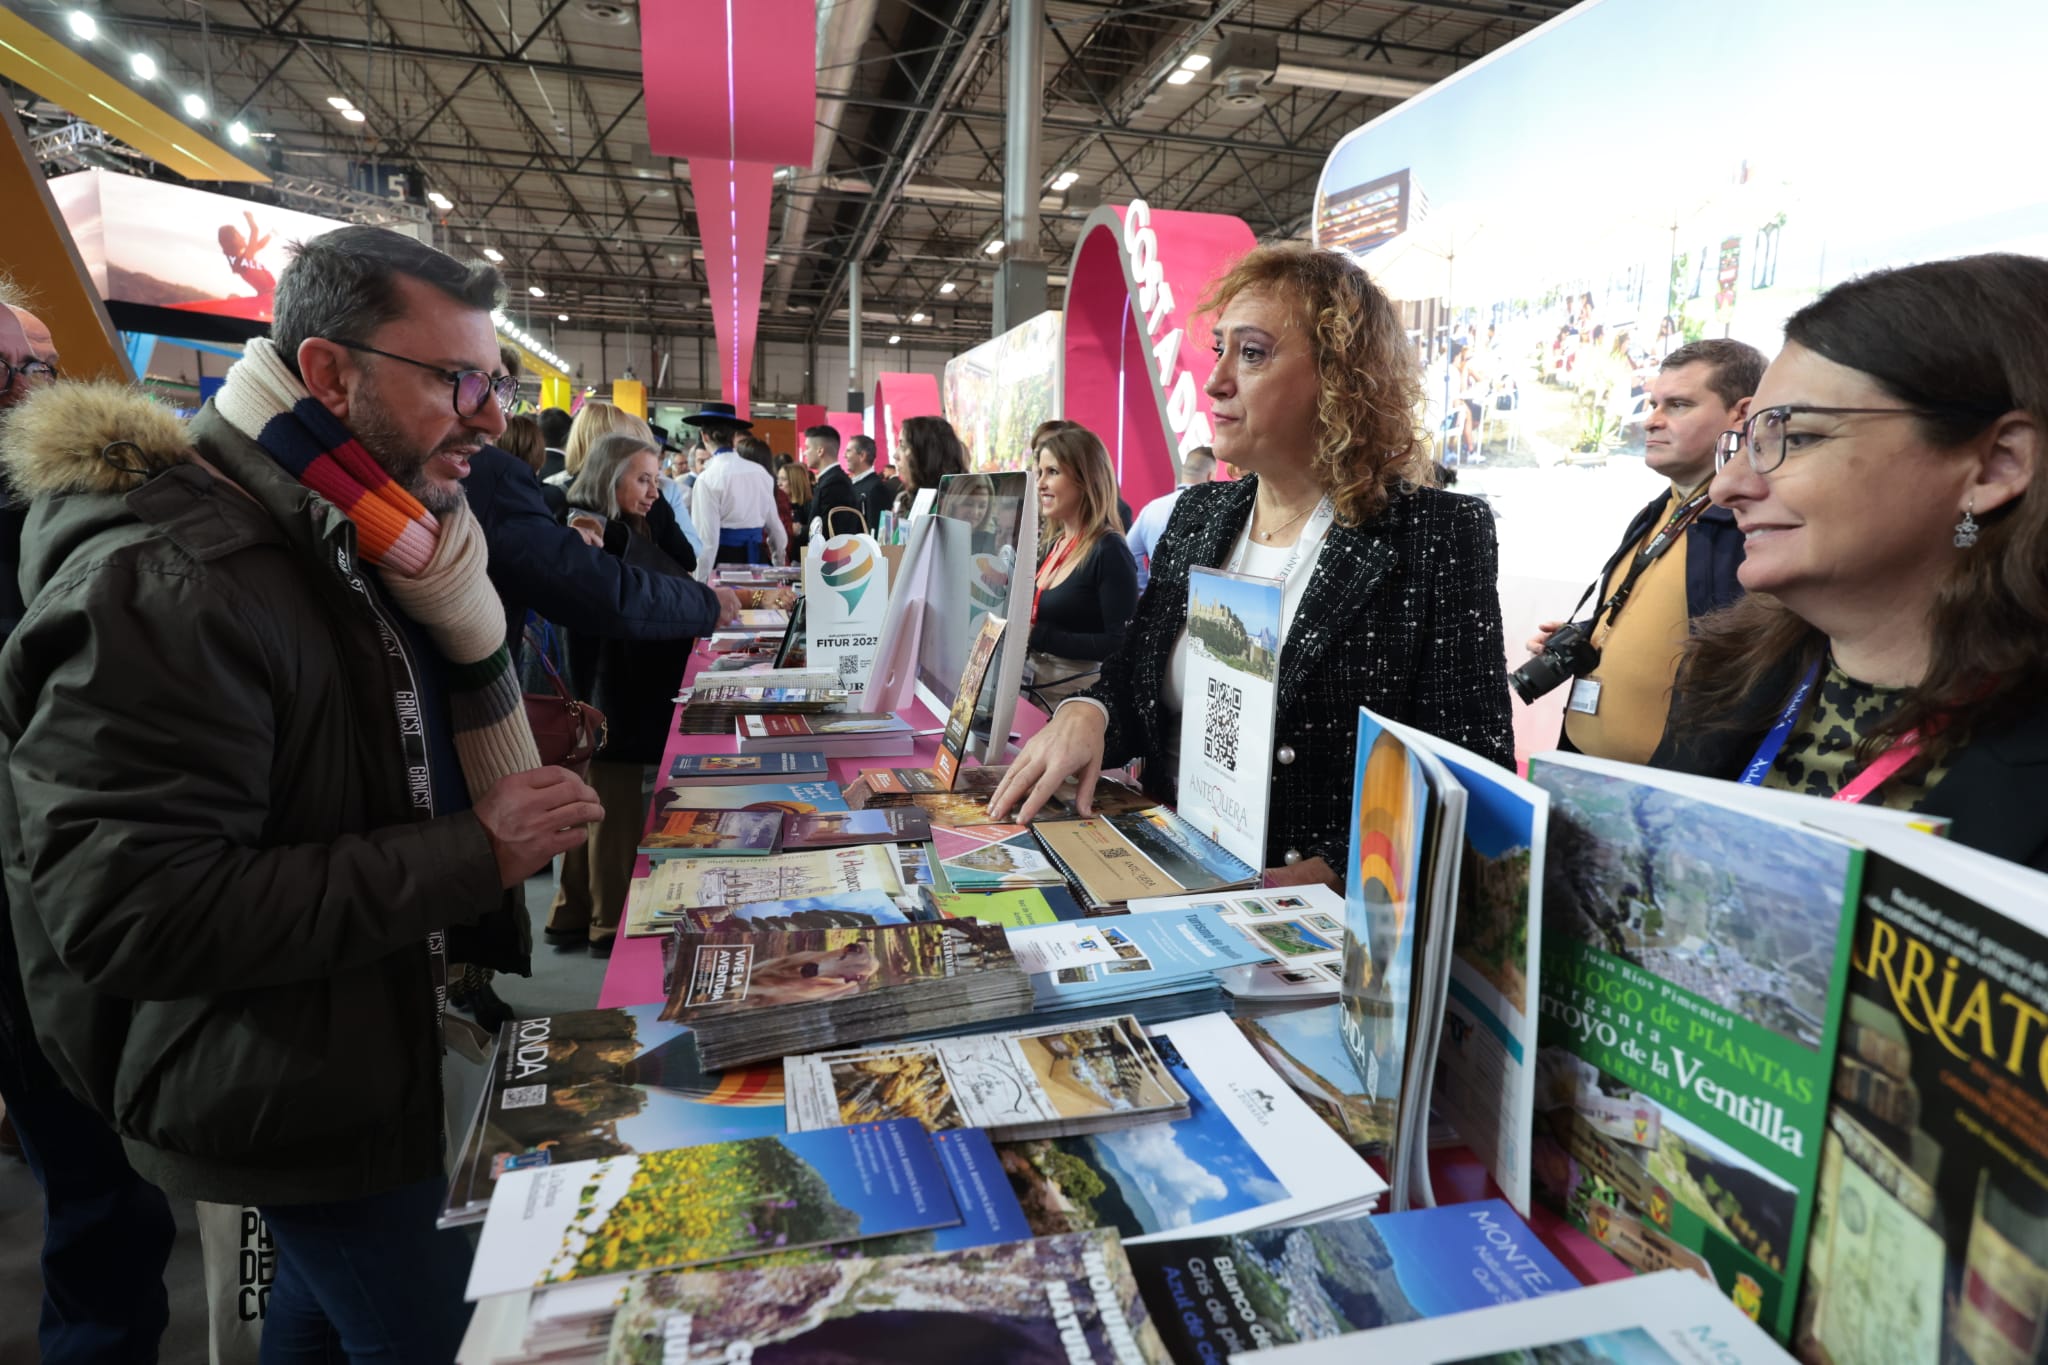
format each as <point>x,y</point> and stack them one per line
<point>1070,745</point>
<point>1307,872</point>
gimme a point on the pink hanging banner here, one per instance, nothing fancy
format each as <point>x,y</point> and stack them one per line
<point>732,220</point>
<point>898,398</point>
<point>1135,360</point>
<point>847,424</point>
<point>731,78</point>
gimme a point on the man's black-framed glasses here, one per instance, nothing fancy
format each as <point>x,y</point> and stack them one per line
<point>471,388</point>
<point>29,371</point>
<point>1766,435</point>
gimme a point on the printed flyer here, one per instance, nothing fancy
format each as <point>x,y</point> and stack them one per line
<point>1226,727</point>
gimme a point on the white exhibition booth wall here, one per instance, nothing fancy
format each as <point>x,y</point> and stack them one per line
<point>1637,173</point>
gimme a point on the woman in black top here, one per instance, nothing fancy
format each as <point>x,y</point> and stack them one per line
<point>1894,645</point>
<point>1391,600</point>
<point>1087,581</point>
<point>633,682</point>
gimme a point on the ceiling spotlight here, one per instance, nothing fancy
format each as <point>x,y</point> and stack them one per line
<point>561,317</point>
<point>440,200</point>
<point>83,26</point>
<point>1065,180</point>
<point>917,317</point>
<point>946,288</point>
<point>238,134</point>
<point>536,291</point>
<point>341,102</point>
<point>493,255</point>
<point>1195,61</point>
<point>194,106</point>
<point>1180,77</point>
<point>354,115</point>
<point>894,338</point>
<point>994,248</point>
<point>143,65</point>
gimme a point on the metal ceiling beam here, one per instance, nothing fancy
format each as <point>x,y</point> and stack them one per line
<point>1067,125</point>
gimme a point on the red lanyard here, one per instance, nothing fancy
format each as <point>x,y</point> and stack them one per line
<point>1881,769</point>
<point>1051,565</point>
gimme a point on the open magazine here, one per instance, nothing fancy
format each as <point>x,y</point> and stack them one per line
<point>1440,963</point>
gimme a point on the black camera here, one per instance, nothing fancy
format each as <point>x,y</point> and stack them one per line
<point>1568,653</point>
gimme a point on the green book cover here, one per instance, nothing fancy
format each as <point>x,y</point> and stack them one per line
<point>1694,966</point>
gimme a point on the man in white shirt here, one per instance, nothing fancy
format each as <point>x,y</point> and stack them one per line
<point>1199,467</point>
<point>733,500</point>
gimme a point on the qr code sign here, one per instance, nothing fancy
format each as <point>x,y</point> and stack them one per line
<point>1219,739</point>
<point>524,1097</point>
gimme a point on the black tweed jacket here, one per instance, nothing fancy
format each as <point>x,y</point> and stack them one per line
<point>1402,615</point>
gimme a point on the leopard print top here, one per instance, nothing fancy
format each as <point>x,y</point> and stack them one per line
<point>1819,757</point>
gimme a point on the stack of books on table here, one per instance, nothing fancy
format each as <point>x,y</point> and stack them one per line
<point>677,885</point>
<point>743,640</point>
<point>751,995</point>
<point>714,708</point>
<point>835,734</point>
<point>757,575</point>
<point>1043,1082</point>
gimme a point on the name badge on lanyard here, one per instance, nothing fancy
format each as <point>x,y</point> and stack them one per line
<point>1585,697</point>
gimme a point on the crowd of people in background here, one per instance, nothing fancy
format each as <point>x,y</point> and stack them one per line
<point>267,780</point>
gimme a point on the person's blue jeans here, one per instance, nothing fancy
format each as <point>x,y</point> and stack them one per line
<point>367,1280</point>
<point>107,1232</point>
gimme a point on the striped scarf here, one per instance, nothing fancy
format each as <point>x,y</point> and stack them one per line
<point>435,569</point>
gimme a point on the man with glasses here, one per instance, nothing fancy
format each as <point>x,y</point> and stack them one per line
<point>1677,560</point>
<point>264,773</point>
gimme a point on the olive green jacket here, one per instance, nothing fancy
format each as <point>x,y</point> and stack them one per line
<point>222,876</point>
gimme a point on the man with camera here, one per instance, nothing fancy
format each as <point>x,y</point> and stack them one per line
<point>1677,561</point>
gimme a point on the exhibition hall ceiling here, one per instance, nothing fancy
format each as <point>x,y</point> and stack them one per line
<point>527,118</point>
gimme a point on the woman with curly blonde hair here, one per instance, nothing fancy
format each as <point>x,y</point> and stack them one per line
<point>1390,599</point>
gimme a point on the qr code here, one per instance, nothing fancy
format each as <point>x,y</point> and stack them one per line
<point>1219,739</point>
<point>524,1097</point>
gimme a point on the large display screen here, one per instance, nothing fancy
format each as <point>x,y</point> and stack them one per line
<point>170,246</point>
<point>1637,174</point>
<point>996,394</point>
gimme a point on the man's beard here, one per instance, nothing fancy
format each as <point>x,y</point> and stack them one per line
<point>405,462</point>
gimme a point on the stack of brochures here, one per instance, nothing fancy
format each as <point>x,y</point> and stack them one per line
<point>672,888</point>
<point>1160,966</point>
<point>1089,1077</point>
<point>711,708</point>
<point>836,735</point>
<point>1111,860</point>
<point>749,996</point>
<point>1299,929</point>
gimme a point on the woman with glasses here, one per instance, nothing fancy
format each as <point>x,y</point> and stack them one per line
<point>632,682</point>
<point>1894,646</point>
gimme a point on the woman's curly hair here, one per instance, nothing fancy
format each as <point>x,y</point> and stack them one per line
<point>1368,437</point>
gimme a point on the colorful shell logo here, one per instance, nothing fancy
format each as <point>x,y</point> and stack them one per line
<point>849,567</point>
<point>1386,829</point>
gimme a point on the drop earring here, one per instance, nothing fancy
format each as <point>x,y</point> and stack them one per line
<point>1966,529</point>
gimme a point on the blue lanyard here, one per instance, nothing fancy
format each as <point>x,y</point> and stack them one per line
<point>1767,752</point>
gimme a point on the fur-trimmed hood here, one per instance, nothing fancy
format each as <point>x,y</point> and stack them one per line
<point>95,437</point>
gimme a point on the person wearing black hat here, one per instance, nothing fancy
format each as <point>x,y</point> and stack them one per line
<point>733,502</point>
<point>674,491</point>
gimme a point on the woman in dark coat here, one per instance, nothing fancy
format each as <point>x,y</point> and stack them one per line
<point>1390,601</point>
<point>1894,644</point>
<point>633,682</point>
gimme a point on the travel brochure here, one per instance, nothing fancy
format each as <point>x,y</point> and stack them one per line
<point>1232,691</point>
<point>752,995</point>
<point>844,910</point>
<point>838,736</point>
<point>1249,1155</point>
<point>842,829</point>
<point>1043,1082</point>
<point>1114,859</point>
<point>688,1206</point>
<point>596,1083</point>
<point>1668,1319</point>
<point>1223,1298</point>
<point>1169,959</point>
<point>1300,929</point>
<point>1069,1299</point>
<point>1019,909</point>
<point>722,769</point>
<point>679,832</point>
<point>992,858</point>
<point>1696,962</point>
<point>671,888</point>
<point>960,719</point>
<point>791,798</point>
